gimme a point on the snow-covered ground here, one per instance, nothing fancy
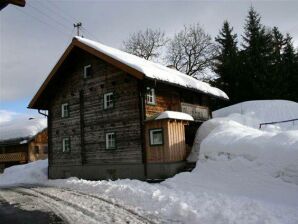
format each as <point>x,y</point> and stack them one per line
<point>243,175</point>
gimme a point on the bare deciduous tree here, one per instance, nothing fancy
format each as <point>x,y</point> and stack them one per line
<point>145,44</point>
<point>192,51</point>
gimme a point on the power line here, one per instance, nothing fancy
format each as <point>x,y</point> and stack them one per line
<point>62,18</point>
<point>56,11</point>
<point>69,18</point>
<point>41,21</point>
<point>46,15</point>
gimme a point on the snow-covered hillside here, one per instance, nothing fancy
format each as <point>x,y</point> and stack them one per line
<point>15,125</point>
<point>243,175</point>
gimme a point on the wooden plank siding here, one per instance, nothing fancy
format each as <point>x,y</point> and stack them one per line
<point>170,98</point>
<point>40,141</point>
<point>173,148</point>
<point>123,119</point>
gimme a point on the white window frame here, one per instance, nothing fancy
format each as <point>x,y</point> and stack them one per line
<point>108,100</point>
<point>66,144</point>
<point>86,68</point>
<point>110,140</point>
<point>151,133</point>
<point>150,96</point>
<point>65,110</point>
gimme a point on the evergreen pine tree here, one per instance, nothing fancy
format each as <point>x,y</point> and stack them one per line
<point>256,59</point>
<point>226,62</point>
<point>277,76</point>
<point>289,70</point>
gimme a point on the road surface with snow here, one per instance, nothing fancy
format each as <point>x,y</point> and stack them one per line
<point>57,205</point>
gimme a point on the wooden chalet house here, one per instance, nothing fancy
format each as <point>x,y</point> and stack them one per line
<point>115,115</point>
<point>22,150</point>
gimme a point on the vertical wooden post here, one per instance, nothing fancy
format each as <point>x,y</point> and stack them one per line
<point>50,145</point>
<point>82,127</point>
<point>142,125</point>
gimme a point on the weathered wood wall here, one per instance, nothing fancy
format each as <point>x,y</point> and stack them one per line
<point>170,98</point>
<point>174,147</point>
<point>41,141</point>
<point>88,120</point>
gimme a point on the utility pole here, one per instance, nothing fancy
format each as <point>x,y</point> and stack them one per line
<point>78,26</point>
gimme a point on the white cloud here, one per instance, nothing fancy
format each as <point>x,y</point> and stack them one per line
<point>6,116</point>
<point>15,125</point>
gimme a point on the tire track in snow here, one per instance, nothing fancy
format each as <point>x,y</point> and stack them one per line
<point>95,208</point>
<point>147,219</point>
<point>68,213</point>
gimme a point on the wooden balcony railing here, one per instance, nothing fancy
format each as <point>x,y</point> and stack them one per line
<point>199,113</point>
<point>13,157</point>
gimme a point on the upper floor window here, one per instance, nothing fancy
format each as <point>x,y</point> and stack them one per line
<point>156,136</point>
<point>110,140</point>
<point>108,100</point>
<point>64,110</point>
<point>66,144</point>
<point>150,96</point>
<point>87,71</point>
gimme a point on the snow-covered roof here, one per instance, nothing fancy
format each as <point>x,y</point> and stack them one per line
<point>172,115</point>
<point>153,70</point>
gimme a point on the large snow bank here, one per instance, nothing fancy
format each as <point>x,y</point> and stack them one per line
<point>251,114</point>
<point>153,70</point>
<point>263,111</point>
<point>15,125</point>
<point>215,192</point>
<point>31,173</point>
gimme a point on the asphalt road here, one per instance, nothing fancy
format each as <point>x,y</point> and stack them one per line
<point>34,205</point>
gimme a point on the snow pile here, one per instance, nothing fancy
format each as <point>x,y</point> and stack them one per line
<point>174,115</point>
<point>14,125</point>
<point>31,173</point>
<point>210,194</point>
<point>153,70</point>
<point>263,111</point>
<point>251,114</point>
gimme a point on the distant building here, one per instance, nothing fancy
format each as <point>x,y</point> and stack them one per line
<point>4,3</point>
<point>115,115</point>
<point>23,150</point>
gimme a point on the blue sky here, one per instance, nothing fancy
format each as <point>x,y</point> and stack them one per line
<point>19,106</point>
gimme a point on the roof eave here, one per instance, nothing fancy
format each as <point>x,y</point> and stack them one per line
<point>184,87</point>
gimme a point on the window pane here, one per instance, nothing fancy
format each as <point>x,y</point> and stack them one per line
<point>65,110</point>
<point>66,145</point>
<point>87,71</point>
<point>108,100</point>
<point>150,96</point>
<point>110,141</point>
<point>156,137</point>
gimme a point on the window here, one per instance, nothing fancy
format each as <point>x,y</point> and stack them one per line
<point>150,96</point>
<point>36,149</point>
<point>110,140</point>
<point>64,110</point>
<point>108,100</point>
<point>45,149</point>
<point>66,145</point>
<point>156,136</point>
<point>87,71</point>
